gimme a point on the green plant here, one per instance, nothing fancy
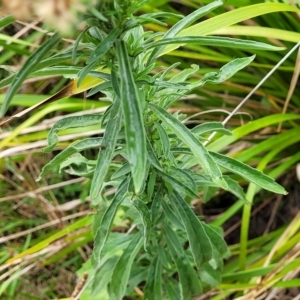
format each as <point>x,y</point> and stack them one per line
<point>145,155</point>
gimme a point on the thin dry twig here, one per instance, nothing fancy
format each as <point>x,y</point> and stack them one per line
<point>49,224</point>
<point>43,189</point>
<point>292,87</point>
<point>254,90</point>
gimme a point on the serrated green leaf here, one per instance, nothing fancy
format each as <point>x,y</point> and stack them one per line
<point>103,230</point>
<point>27,68</point>
<point>123,267</point>
<point>202,155</point>
<point>132,111</point>
<point>72,149</point>
<point>69,122</point>
<point>144,213</point>
<point>249,173</point>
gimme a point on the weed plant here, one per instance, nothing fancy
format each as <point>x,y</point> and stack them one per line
<point>152,161</point>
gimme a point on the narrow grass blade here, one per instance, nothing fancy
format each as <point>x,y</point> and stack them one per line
<point>215,41</point>
<point>229,18</point>
<point>260,31</point>
<point>6,21</point>
<point>28,67</point>
<point>179,26</point>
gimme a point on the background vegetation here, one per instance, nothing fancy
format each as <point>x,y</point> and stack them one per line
<point>46,226</point>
